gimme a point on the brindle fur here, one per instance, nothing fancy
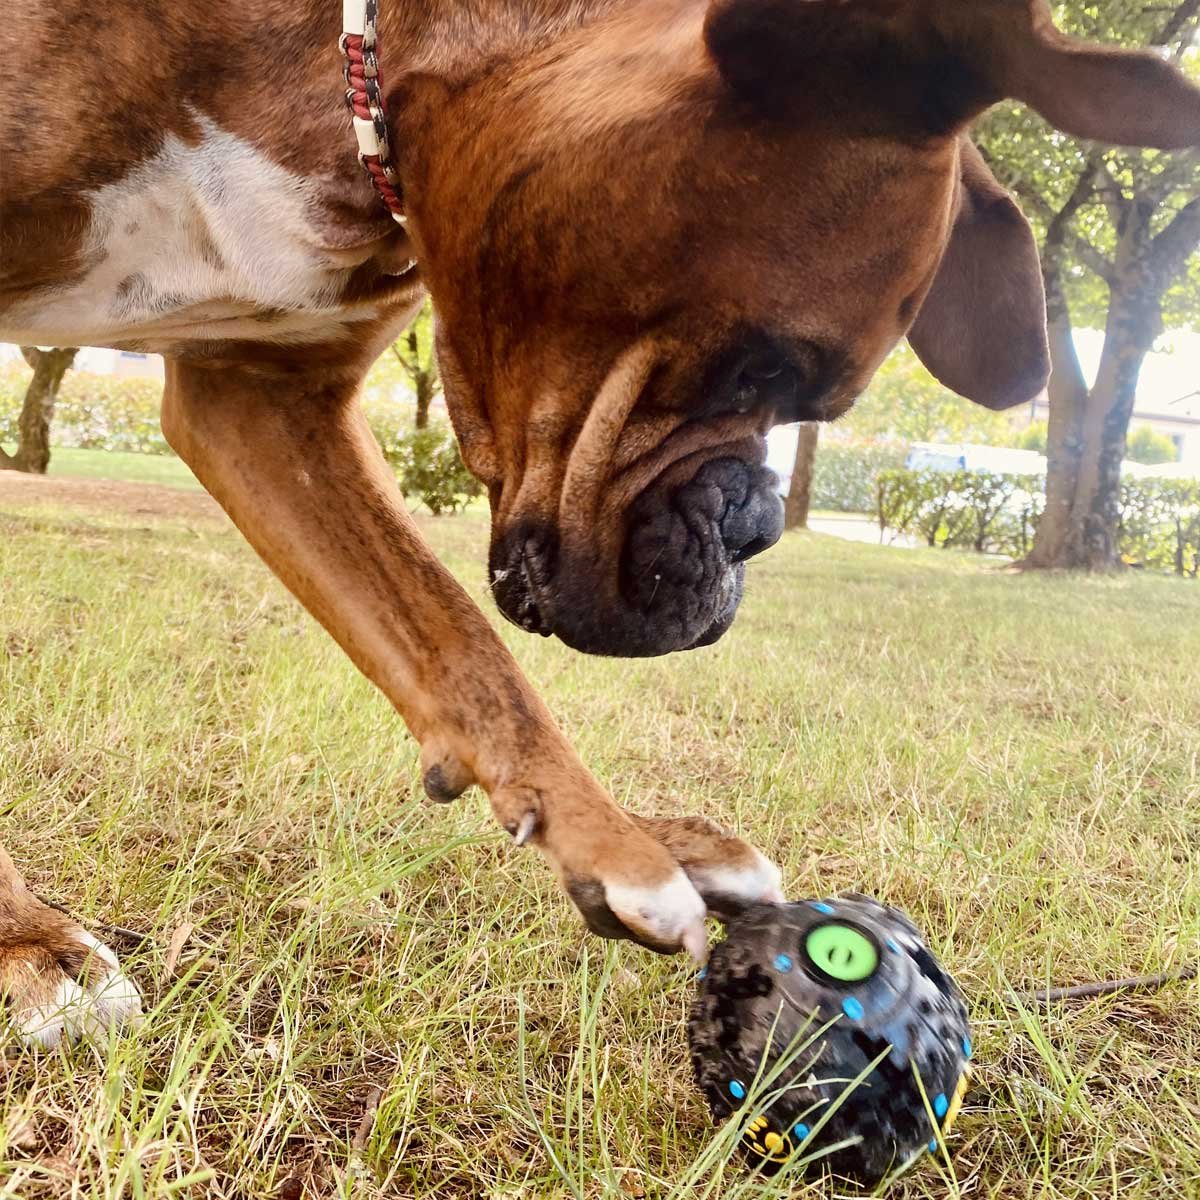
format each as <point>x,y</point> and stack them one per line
<point>603,193</point>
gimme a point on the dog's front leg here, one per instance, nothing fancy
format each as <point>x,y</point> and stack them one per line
<point>293,462</point>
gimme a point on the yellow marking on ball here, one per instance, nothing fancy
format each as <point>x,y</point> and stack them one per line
<point>765,1142</point>
<point>956,1102</point>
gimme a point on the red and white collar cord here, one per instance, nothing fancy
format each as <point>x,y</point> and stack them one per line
<point>364,97</point>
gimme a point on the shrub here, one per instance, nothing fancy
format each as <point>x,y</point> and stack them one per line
<point>845,473</point>
<point>429,467</point>
<point>977,510</point>
<point>1034,437</point>
<point>426,461</point>
<point>94,412</point>
<point>13,380</point>
<point>389,416</point>
<point>1145,445</point>
<point>99,412</point>
<point>993,513</point>
<point>1160,524</point>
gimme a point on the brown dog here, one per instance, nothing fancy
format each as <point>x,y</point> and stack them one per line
<point>651,229</point>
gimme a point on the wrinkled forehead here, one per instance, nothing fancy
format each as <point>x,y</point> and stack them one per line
<point>699,200</point>
<point>822,227</point>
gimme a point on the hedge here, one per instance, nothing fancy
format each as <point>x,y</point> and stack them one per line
<point>100,412</point>
<point>974,510</point>
<point>845,473</point>
<point>1160,524</point>
<point>994,513</point>
<point>94,412</point>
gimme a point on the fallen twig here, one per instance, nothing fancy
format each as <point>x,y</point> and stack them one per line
<point>363,1132</point>
<point>179,939</point>
<point>1107,987</point>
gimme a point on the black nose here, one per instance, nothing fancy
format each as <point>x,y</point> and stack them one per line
<point>520,567</point>
<point>751,515</point>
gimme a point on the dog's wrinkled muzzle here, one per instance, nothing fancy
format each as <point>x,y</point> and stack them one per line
<point>678,580</point>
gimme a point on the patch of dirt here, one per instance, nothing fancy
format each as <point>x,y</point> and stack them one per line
<point>104,495</point>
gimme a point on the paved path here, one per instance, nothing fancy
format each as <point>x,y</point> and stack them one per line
<point>853,527</point>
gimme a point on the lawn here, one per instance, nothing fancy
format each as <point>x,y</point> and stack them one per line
<point>120,466</point>
<point>1015,760</point>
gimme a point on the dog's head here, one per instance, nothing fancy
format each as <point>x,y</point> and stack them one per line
<point>658,235</point>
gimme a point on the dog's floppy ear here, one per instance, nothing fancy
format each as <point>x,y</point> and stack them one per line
<point>982,327</point>
<point>930,66</point>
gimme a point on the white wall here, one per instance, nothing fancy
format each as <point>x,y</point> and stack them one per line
<point>122,363</point>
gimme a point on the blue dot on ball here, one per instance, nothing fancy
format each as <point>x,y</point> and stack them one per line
<point>941,1106</point>
<point>800,1130</point>
<point>968,1049</point>
<point>933,1146</point>
<point>783,963</point>
<point>737,1089</point>
<point>852,1008</point>
<point>891,945</point>
<point>822,907</point>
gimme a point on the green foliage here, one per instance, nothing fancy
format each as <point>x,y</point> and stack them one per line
<point>845,473</point>
<point>409,364</point>
<point>430,468</point>
<point>997,514</point>
<point>1160,524</point>
<point>976,510</point>
<point>1145,445</point>
<point>1035,437</point>
<point>94,412</point>
<point>905,403</point>
<point>1043,166</point>
<point>390,419</point>
<point>12,391</point>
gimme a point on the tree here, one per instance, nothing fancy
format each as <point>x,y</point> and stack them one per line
<point>415,354</point>
<point>795,508</point>
<point>1118,232</point>
<point>37,410</point>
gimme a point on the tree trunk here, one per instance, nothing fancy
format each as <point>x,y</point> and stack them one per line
<point>1067,393</point>
<point>419,378</point>
<point>1086,441</point>
<point>1096,511</point>
<point>795,509</point>
<point>37,410</point>
<point>424,388</point>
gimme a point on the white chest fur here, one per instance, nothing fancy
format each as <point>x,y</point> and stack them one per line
<point>207,240</point>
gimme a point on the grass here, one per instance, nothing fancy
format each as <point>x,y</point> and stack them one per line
<point>121,467</point>
<point>1012,759</point>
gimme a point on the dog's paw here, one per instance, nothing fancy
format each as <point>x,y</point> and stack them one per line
<point>729,873</point>
<point>664,916</point>
<point>67,986</point>
<point>622,880</point>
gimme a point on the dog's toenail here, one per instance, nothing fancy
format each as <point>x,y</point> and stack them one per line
<point>522,830</point>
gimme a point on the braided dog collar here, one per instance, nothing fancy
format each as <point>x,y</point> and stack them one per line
<point>364,97</point>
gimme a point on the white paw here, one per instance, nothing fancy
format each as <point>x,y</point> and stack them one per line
<point>670,915</point>
<point>755,881</point>
<point>57,1006</point>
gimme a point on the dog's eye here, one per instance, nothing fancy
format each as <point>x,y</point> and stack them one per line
<point>764,366</point>
<point>764,376</point>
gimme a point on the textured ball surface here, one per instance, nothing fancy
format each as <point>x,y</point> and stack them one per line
<point>797,1003</point>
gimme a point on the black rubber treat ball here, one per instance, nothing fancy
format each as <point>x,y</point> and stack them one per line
<point>798,1002</point>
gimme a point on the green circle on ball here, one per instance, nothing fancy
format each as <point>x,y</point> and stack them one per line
<point>842,952</point>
